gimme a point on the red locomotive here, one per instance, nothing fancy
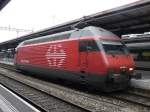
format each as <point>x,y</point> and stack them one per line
<point>92,55</point>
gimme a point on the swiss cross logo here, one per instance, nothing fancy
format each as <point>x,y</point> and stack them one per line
<point>56,55</point>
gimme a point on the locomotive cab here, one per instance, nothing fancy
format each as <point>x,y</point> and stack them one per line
<point>102,54</point>
<point>119,62</point>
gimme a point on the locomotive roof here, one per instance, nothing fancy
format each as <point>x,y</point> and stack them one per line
<point>64,35</point>
<point>42,38</point>
<point>54,35</point>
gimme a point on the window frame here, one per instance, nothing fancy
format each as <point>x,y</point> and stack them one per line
<point>84,46</point>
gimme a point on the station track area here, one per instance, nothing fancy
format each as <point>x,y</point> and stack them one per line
<point>38,98</point>
<point>42,101</point>
<point>71,99</point>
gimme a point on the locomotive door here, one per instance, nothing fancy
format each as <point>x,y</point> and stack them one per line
<point>83,56</point>
<point>83,50</point>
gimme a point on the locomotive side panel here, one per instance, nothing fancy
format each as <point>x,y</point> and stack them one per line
<point>54,59</point>
<point>32,55</point>
<point>55,55</point>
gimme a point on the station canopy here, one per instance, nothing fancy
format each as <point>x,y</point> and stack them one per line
<point>127,19</point>
<point>3,3</point>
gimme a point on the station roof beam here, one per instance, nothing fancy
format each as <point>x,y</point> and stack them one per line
<point>3,3</point>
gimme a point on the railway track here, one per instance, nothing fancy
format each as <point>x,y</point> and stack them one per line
<point>133,98</point>
<point>121,102</point>
<point>38,99</point>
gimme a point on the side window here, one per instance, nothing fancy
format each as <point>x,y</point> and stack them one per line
<point>92,46</point>
<point>88,45</point>
<point>83,46</point>
<point>87,33</point>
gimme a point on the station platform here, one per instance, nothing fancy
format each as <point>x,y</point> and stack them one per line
<point>10,102</point>
<point>7,61</point>
<point>144,82</point>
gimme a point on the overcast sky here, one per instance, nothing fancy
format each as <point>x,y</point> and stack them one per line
<point>39,14</point>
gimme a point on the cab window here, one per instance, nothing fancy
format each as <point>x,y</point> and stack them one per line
<point>88,45</point>
<point>114,47</point>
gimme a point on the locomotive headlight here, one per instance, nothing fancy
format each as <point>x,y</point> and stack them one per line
<point>131,69</point>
